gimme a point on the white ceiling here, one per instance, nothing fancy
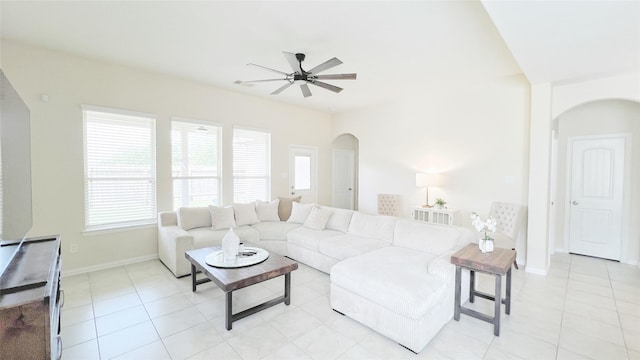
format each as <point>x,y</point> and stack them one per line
<point>397,48</point>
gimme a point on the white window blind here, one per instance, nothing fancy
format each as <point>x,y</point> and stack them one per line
<point>251,165</point>
<point>120,173</point>
<point>196,163</point>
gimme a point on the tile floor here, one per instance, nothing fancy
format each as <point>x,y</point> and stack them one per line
<point>584,309</point>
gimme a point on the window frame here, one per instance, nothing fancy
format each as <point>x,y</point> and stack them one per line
<point>219,165</point>
<point>267,164</point>
<point>151,120</point>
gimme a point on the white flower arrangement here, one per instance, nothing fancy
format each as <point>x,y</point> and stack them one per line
<point>489,225</point>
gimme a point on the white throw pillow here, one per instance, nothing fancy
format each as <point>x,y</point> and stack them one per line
<point>300,212</point>
<point>339,219</point>
<point>268,211</point>
<point>221,217</point>
<point>246,214</point>
<point>318,218</point>
<point>193,217</point>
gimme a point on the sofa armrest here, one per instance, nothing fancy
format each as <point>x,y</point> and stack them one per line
<point>167,218</point>
<point>173,241</point>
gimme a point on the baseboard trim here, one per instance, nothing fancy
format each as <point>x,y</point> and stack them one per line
<point>108,265</point>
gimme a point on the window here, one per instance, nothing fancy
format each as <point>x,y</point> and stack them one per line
<point>196,163</point>
<point>120,182</point>
<point>251,165</point>
<point>302,172</point>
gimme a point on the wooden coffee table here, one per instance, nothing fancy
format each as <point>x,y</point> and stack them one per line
<point>497,263</point>
<point>230,279</point>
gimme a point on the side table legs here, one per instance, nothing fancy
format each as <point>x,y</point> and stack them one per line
<point>496,298</point>
<point>456,309</point>
<point>507,300</point>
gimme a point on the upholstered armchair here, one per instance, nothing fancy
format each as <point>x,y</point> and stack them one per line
<point>509,219</point>
<point>389,204</point>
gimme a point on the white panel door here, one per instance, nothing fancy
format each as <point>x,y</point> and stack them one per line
<point>343,179</point>
<point>303,172</point>
<point>597,173</point>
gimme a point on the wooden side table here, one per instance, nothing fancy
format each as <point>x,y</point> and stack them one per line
<point>497,263</point>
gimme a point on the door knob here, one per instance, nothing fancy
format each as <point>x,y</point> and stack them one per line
<point>350,189</point>
<point>574,202</point>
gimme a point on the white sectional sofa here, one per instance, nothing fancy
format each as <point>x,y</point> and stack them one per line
<point>392,275</point>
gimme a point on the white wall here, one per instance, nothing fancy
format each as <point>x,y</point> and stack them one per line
<point>594,118</point>
<point>477,134</point>
<point>57,139</point>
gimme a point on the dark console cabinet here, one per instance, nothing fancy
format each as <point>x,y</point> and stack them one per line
<point>30,300</point>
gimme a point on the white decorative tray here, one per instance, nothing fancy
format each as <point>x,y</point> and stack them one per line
<point>249,256</point>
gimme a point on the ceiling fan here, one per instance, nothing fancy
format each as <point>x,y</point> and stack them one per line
<point>303,77</point>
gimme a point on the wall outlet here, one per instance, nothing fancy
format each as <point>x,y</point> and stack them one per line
<point>73,248</point>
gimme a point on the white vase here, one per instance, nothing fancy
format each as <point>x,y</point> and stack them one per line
<point>482,245</point>
<point>488,245</point>
<point>230,246</point>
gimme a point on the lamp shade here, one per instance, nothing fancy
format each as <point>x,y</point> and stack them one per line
<point>428,179</point>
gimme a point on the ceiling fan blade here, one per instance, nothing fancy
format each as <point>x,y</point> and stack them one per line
<point>265,80</point>
<point>335,89</point>
<point>306,92</point>
<point>326,65</point>
<point>337,77</point>
<point>270,69</point>
<point>280,89</point>
<point>291,59</point>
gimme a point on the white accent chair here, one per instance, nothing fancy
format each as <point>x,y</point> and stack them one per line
<point>389,204</point>
<point>509,219</point>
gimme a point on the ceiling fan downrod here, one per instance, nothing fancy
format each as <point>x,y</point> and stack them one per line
<point>303,74</point>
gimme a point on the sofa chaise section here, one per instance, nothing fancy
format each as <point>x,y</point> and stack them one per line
<point>404,291</point>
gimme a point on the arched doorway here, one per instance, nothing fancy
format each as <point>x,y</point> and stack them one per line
<point>345,172</point>
<point>594,122</point>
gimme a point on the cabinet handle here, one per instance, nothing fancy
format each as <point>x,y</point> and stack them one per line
<point>574,202</point>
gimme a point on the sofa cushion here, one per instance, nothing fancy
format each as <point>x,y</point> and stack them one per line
<point>339,219</point>
<point>393,277</point>
<point>432,238</point>
<point>245,214</point>
<point>308,238</point>
<point>284,207</point>
<point>346,245</point>
<point>318,217</point>
<point>373,226</point>
<point>300,212</point>
<point>271,230</point>
<point>268,211</point>
<point>221,217</point>
<point>193,217</point>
